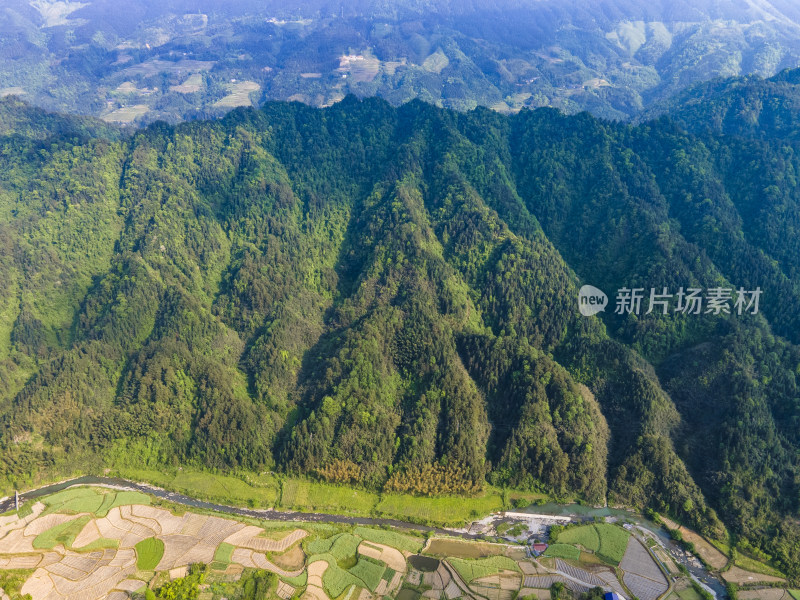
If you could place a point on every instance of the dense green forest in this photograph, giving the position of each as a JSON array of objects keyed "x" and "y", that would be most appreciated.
[{"x": 389, "y": 297}]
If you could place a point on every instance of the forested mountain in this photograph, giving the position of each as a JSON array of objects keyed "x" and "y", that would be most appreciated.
[
  {"x": 745, "y": 107},
  {"x": 389, "y": 297},
  {"x": 175, "y": 60}
]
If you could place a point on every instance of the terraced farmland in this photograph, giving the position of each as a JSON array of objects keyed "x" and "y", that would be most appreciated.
[{"x": 89, "y": 543}]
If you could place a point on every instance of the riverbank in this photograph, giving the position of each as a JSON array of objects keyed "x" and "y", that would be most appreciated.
[
  {"x": 464, "y": 517},
  {"x": 270, "y": 514},
  {"x": 483, "y": 529},
  {"x": 269, "y": 491},
  {"x": 132, "y": 536}
]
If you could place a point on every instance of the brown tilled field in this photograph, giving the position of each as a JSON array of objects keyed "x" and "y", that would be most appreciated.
[{"x": 739, "y": 576}]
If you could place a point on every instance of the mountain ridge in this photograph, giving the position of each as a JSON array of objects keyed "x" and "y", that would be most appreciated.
[
  {"x": 180, "y": 61},
  {"x": 388, "y": 296}
]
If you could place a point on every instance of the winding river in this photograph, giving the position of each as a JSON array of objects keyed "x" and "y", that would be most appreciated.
[
  {"x": 573, "y": 511},
  {"x": 272, "y": 515}
]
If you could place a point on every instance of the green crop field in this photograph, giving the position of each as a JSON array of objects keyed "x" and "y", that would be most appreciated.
[
  {"x": 308, "y": 495},
  {"x": 750, "y": 564},
  {"x": 562, "y": 551},
  {"x": 107, "y": 504},
  {"x": 470, "y": 569},
  {"x": 613, "y": 542},
  {"x": 224, "y": 553},
  {"x": 91, "y": 500},
  {"x": 88, "y": 503},
  {"x": 606, "y": 540},
  {"x": 80, "y": 498},
  {"x": 335, "y": 580},
  {"x": 239, "y": 94},
  {"x": 63, "y": 534},
  {"x": 391, "y": 538},
  {"x": 370, "y": 571},
  {"x": 99, "y": 544},
  {"x": 224, "y": 488},
  {"x": 149, "y": 553},
  {"x": 126, "y": 114},
  {"x": 688, "y": 593},
  {"x": 340, "y": 546},
  {"x": 297, "y": 581},
  {"x": 721, "y": 546},
  {"x": 585, "y": 535},
  {"x": 345, "y": 546},
  {"x": 451, "y": 510},
  {"x": 208, "y": 486},
  {"x": 122, "y": 499}
]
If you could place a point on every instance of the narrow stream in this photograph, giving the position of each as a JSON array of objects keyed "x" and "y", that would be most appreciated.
[
  {"x": 574, "y": 511},
  {"x": 271, "y": 515}
]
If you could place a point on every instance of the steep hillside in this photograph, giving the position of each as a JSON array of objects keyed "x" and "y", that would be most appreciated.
[{"x": 389, "y": 296}]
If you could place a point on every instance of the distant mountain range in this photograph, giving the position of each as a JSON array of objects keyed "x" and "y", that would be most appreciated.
[{"x": 185, "y": 59}]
